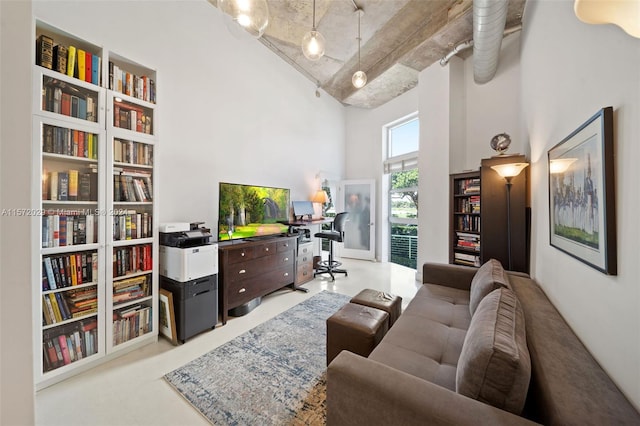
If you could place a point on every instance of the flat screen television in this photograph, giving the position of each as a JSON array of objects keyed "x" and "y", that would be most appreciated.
[{"x": 247, "y": 211}]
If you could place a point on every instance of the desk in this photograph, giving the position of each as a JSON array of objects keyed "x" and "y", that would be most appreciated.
[{"x": 320, "y": 221}]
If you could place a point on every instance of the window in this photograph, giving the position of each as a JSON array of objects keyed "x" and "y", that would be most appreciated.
[{"x": 401, "y": 166}]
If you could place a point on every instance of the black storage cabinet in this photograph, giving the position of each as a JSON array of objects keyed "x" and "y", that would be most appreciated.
[{"x": 195, "y": 304}]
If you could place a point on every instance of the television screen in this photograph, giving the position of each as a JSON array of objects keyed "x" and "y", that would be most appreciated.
[{"x": 247, "y": 211}]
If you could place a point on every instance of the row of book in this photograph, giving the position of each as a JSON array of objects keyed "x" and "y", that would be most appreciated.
[
  {"x": 467, "y": 223},
  {"x": 132, "y": 225},
  {"x": 131, "y": 322},
  {"x": 131, "y": 289},
  {"x": 69, "y": 270},
  {"x": 74, "y": 143},
  {"x": 468, "y": 241},
  {"x": 129, "y": 260},
  {"x": 138, "y": 86},
  {"x": 125, "y": 151},
  {"x": 69, "y": 60},
  {"x": 468, "y": 186},
  {"x": 71, "y": 185},
  {"x": 132, "y": 186},
  {"x": 58, "y": 307},
  {"x": 72, "y": 342},
  {"x": 468, "y": 205},
  {"x": 67, "y": 102},
  {"x": 131, "y": 117},
  {"x": 466, "y": 259},
  {"x": 70, "y": 228}
]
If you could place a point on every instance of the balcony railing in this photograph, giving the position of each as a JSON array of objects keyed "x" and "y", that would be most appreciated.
[{"x": 404, "y": 250}]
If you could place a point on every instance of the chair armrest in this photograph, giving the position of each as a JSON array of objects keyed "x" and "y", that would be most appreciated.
[
  {"x": 365, "y": 392},
  {"x": 456, "y": 276}
]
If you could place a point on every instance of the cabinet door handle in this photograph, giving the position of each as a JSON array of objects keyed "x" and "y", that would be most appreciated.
[
  {"x": 304, "y": 259},
  {"x": 286, "y": 259},
  {"x": 242, "y": 290},
  {"x": 242, "y": 271},
  {"x": 266, "y": 249},
  {"x": 242, "y": 254},
  {"x": 286, "y": 274}
]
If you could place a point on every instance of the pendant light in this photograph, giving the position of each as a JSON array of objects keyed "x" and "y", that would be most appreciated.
[
  {"x": 359, "y": 78},
  {"x": 250, "y": 15},
  {"x": 313, "y": 41}
]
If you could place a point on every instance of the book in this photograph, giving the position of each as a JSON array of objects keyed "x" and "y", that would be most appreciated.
[
  {"x": 44, "y": 51},
  {"x": 60, "y": 54},
  {"x": 63, "y": 186},
  {"x": 73, "y": 185},
  {"x": 71, "y": 61},
  {"x": 88, "y": 74},
  {"x": 95, "y": 68},
  {"x": 82, "y": 66}
]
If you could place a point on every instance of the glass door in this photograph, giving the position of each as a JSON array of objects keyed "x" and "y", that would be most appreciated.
[{"x": 357, "y": 197}]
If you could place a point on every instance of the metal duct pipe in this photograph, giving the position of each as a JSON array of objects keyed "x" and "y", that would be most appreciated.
[
  {"x": 469, "y": 44},
  {"x": 489, "y": 19}
]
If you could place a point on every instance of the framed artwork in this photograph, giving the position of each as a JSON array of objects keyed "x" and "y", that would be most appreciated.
[
  {"x": 167, "y": 317},
  {"x": 582, "y": 214}
]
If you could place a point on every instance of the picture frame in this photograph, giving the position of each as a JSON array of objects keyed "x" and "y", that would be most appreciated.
[
  {"x": 167, "y": 319},
  {"x": 582, "y": 214}
]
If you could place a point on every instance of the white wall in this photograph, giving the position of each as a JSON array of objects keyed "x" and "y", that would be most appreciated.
[
  {"x": 365, "y": 148},
  {"x": 569, "y": 71},
  {"x": 229, "y": 109},
  {"x": 16, "y": 348}
]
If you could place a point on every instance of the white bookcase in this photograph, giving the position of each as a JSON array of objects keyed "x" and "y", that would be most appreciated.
[{"x": 96, "y": 295}]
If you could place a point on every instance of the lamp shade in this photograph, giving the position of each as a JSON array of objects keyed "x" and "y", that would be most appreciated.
[
  {"x": 359, "y": 79},
  {"x": 624, "y": 14},
  {"x": 320, "y": 197},
  {"x": 509, "y": 170},
  {"x": 560, "y": 165}
]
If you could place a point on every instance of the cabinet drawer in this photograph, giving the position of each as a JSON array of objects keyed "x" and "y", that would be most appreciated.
[
  {"x": 304, "y": 259},
  {"x": 240, "y": 254},
  {"x": 305, "y": 249},
  {"x": 265, "y": 249},
  {"x": 304, "y": 273},
  {"x": 243, "y": 291},
  {"x": 286, "y": 245}
]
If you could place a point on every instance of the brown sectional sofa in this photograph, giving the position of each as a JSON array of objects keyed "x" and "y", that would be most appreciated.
[{"x": 411, "y": 376}]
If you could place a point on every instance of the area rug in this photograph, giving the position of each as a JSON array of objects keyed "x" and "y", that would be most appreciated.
[{"x": 270, "y": 375}]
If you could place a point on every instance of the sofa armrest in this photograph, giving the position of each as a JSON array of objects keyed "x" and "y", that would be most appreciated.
[
  {"x": 455, "y": 276},
  {"x": 361, "y": 391}
]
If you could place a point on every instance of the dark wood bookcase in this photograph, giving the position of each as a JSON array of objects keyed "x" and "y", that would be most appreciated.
[{"x": 465, "y": 205}]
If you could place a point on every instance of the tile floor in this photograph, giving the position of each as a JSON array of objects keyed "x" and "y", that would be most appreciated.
[{"x": 130, "y": 390}]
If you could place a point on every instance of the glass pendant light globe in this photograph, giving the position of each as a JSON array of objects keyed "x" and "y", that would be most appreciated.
[
  {"x": 313, "y": 45},
  {"x": 359, "y": 79},
  {"x": 251, "y": 15}
]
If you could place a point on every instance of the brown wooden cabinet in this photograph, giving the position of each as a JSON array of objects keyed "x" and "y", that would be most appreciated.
[
  {"x": 250, "y": 269},
  {"x": 479, "y": 220}
]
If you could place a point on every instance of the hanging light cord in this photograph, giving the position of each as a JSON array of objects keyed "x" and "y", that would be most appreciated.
[
  {"x": 359, "y": 38},
  {"x": 314, "y": 15}
]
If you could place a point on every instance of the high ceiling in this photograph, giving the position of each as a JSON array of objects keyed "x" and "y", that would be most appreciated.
[{"x": 400, "y": 38}]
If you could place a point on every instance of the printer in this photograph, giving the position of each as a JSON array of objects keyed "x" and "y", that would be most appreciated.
[
  {"x": 186, "y": 252},
  {"x": 188, "y": 269}
]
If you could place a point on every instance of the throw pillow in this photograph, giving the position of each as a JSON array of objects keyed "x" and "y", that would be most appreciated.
[
  {"x": 494, "y": 365},
  {"x": 490, "y": 276}
]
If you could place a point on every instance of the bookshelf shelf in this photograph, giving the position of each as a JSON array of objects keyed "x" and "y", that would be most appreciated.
[{"x": 76, "y": 323}]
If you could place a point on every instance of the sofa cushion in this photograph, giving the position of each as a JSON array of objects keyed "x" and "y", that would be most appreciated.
[
  {"x": 490, "y": 276},
  {"x": 494, "y": 365},
  {"x": 427, "y": 339}
]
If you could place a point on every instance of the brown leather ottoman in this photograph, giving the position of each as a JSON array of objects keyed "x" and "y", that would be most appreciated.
[
  {"x": 387, "y": 302},
  {"x": 355, "y": 328}
]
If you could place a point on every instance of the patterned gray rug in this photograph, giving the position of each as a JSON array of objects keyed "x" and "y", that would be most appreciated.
[{"x": 267, "y": 375}]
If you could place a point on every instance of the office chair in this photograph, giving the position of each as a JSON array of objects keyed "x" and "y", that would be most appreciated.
[{"x": 335, "y": 234}]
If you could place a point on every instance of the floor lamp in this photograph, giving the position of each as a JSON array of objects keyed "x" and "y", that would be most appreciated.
[{"x": 508, "y": 172}]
